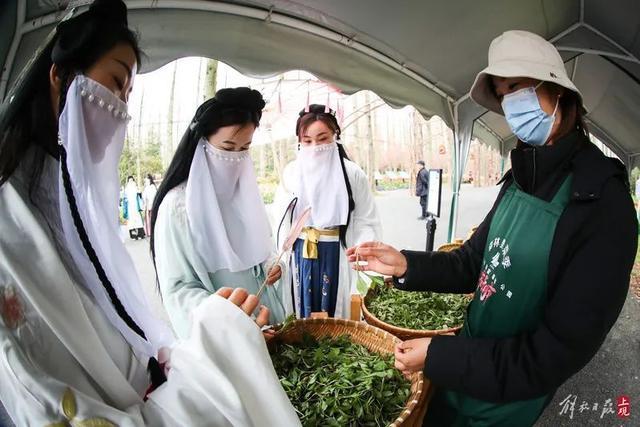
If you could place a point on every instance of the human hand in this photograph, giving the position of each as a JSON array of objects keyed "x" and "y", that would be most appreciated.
[
  {"x": 411, "y": 354},
  {"x": 268, "y": 334},
  {"x": 248, "y": 303},
  {"x": 274, "y": 274},
  {"x": 381, "y": 258}
]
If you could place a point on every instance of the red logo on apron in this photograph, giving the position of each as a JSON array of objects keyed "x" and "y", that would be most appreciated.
[{"x": 486, "y": 288}]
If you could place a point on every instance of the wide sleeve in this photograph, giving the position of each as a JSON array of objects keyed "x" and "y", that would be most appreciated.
[
  {"x": 588, "y": 298},
  {"x": 221, "y": 376},
  {"x": 448, "y": 272},
  {"x": 179, "y": 279},
  {"x": 31, "y": 397},
  {"x": 365, "y": 220}
]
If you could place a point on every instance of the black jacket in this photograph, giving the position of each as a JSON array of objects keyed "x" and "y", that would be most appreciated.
[
  {"x": 590, "y": 262},
  {"x": 422, "y": 183}
]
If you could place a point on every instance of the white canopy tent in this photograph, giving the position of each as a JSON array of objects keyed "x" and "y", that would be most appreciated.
[{"x": 423, "y": 53}]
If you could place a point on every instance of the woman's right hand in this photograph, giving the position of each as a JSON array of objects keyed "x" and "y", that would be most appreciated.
[
  {"x": 248, "y": 303},
  {"x": 381, "y": 258}
]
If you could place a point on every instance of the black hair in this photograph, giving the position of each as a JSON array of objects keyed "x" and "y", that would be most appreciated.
[
  {"x": 29, "y": 119},
  {"x": 318, "y": 112},
  {"x": 229, "y": 107},
  {"x": 78, "y": 43},
  {"x": 151, "y": 180}
]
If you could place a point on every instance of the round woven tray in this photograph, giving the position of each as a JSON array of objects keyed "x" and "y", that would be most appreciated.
[
  {"x": 372, "y": 338},
  {"x": 402, "y": 333}
]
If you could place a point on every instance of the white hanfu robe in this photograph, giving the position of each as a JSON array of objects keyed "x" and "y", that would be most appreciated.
[
  {"x": 57, "y": 345},
  {"x": 364, "y": 226},
  {"x": 185, "y": 281}
]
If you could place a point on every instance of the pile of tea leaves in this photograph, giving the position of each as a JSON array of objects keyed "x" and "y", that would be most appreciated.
[
  {"x": 335, "y": 382},
  {"x": 417, "y": 310}
]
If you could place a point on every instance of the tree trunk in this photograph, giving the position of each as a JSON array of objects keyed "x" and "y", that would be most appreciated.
[
  {"x": 371, "y": 155},
  {"x": 210, "y": 78},
  {"x": 140, "y": 115},
  {"x": 170, "y": 107},
  {"x": 199, "y": 93}
]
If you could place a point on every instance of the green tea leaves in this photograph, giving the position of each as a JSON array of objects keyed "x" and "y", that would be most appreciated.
[
  {"x": 417, "y": 310},
  {"x": 334, "y": 382}
]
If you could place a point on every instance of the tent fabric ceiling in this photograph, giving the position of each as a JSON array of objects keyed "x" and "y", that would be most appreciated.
[{"x": 424, "y": 53}]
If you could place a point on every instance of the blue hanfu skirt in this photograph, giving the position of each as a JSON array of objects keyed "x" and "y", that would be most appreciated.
[{"x": 317, "y": 279}]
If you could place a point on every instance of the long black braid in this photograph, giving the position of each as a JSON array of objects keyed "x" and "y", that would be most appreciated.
[
  {"x": 79, "y": 43},
  {"x": 82, "y": 232}
]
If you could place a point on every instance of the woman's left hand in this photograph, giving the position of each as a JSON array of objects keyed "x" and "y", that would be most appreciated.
[
  {"x": 274, "y": 275},
  {"x": 410, "y": 355}
]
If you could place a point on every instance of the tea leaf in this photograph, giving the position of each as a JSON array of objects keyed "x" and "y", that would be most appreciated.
[
  {"x": 417, "y": 310},
  {"x": 360, "y": 388}
]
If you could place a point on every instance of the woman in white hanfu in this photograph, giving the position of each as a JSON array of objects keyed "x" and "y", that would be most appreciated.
[
  {"x": 209, "y": 223},
  {"x": 343, "y": 214},
  {"x": 133, "y": 208},
  {"x": 78, "y": 337}
]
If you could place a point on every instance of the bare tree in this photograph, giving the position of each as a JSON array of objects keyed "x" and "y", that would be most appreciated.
[
  {"x": 371, "y": 154},
  {"x": 170, "y": 115},
  {"x": 210, "y": 78}
]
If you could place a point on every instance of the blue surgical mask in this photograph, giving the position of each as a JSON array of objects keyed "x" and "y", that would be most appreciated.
[{"x": 526, "y": 118}]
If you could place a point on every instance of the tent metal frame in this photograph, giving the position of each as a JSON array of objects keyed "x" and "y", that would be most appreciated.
[{"x": 463, "y": 112}]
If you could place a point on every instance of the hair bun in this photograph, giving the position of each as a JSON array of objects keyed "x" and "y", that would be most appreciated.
[
  {"x": 113, "y": 11},
  {"x": 241, "y": 97},
  {"x": 316, "y": 109},
  {"x": 77, "y": 34}
]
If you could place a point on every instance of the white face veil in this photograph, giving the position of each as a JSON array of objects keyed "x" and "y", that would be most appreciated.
[
  {"x": 92, "y": 129},
  {"x": 226, "y": 215},
  {"x": 321, "y": 186}
]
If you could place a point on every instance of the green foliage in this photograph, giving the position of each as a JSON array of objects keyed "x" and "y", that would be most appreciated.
[
  {"x": 417, "y": 310},
  {"x": 268, "y": 186},
  {"x": 127, "y": 166},
  {"x": 150, "y": 160},
  {"x": 334, "y": 382},
  {"x": 385, "y": 185}
]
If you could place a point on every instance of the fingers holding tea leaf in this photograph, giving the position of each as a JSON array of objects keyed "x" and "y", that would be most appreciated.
[
  {"x": 268, "y": 335},
  {"x": 263, "y": 316}
]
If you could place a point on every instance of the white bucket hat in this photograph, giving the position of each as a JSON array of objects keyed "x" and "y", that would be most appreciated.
[{"x": 519, "y": 54}]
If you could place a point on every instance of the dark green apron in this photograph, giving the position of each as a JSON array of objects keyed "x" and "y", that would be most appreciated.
[{"x": 509, "y": 300}]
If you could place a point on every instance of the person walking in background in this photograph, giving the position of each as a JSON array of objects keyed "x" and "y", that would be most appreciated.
[
  {"x": 422, "y": 188},
  {"x": 148, "y": 194},
  {"x": 133, "y": 209}
]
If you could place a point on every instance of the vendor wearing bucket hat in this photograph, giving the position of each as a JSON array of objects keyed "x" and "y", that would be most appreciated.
[{"x": 549, "y": 265}]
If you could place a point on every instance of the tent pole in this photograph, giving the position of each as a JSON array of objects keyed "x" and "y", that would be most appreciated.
[
  {"x": 455, "y": 175},
  {"x": 21, "y": 12}
]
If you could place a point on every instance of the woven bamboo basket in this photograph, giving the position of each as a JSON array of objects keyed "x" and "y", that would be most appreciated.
[
  {"x": 473, "y": 230},
  {"x": 406, "y": 333},
  {"x": 372, "y": 338},
  {"x": 448, "y": 247},
  {"x": 402, "y": 333}
]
